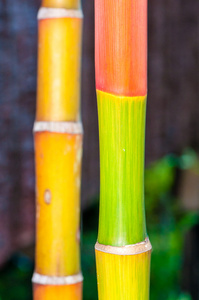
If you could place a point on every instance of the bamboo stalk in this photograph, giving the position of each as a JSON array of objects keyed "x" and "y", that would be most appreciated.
[
  {"x": 123, "y": 250},
  {"x": 58, "y": 151},
  {"x": 69, "y": 4}
]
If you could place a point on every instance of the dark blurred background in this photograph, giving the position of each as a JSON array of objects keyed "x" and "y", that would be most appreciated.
[{"x": 172, "y": 145}]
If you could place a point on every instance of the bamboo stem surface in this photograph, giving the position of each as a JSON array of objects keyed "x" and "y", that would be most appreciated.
[
  {"x": 69, "y": 4},
  {"x": 58, "y": 152},
  {"x": 122, "y": 133},
  {"x": 121, "y": 83}
]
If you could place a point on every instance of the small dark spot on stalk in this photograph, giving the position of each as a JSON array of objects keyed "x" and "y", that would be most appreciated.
[{"x": 47, "y": 196}]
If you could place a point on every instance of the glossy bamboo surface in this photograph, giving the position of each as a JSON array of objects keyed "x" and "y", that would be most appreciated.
[
  {"x": 60, "y": 292},
  {"x": 122, "y": 140},
  {"x": 58, "y": 152},
  {"x": 58, "y": 168},
  {"x": 123, "y": 277},
  {"x": 121, "y": 46},
  {"x": 121, "y": 83},
  {"x": 59, "y": 63}
]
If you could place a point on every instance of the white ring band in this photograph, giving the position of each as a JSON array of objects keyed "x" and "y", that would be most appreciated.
[
  {"x": 55, "y": 280},
  {"x": 59, "y": 127},
  {"x": 51, "y": 13},
  {"x": 125, "y": 250}
]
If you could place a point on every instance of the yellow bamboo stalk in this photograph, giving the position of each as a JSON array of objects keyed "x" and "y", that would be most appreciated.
[
  {"x": 72, "y": 4},
  {"x": 51, "y": 292},
  {"x": 123, "y": 272},
  {"x": 58, "y": 91},
  {"x": 58, "y": 152}
]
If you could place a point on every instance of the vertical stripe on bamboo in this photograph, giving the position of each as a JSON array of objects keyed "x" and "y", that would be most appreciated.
[
  {"x": 123, "y": 277},
  {"x": 122, "y": 134}
]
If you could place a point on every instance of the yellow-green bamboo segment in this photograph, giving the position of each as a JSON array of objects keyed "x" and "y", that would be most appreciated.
[
  {"x": 58, "y": 152},
  {"x": 123, "y": 276},
  {"x": 123, "y": 250}
]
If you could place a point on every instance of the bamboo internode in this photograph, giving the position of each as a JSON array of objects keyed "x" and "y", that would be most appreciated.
[
  {"x": 58, "y": 152},
  {"x": 69, "y": 4},
  {"x": 123, "y": 276},
  {"x": 58, "y": 89},
  {"x": 122, "y": 133},
  {"x": 123, "y": 250},
  {"x": 121, "y": 47},
  {"x": 58, "y": 165},
  {"x": 60, "y": 292}
]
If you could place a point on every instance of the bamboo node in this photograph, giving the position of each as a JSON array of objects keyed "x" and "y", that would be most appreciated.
[
  {"x": 59, "y": 127},
  {"x": 56, "y": 280},
  {"x": 134, "y": 249},
  {"x": 56, "y": 13}
]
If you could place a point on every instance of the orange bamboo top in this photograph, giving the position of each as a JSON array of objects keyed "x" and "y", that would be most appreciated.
[
  {"x": 69, "y": 4},
  {"x": 121, "y": 59}
]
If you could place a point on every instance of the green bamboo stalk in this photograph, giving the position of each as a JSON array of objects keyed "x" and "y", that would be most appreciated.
[{"x": 121, "y": 170}]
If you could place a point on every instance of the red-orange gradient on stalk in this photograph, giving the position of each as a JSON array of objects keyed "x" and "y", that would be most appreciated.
[
  {"x": 121, "y": 59},
  {"x": 58, "y": 292}
]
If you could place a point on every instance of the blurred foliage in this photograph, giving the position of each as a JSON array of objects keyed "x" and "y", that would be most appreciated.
[
  {"x": 15, "y": 279},
  {"x": 167, "y": 225}
]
